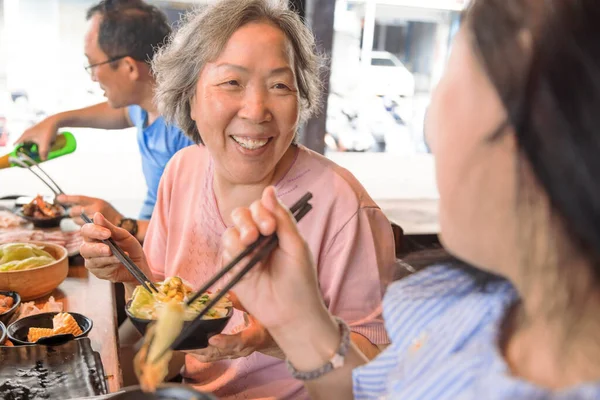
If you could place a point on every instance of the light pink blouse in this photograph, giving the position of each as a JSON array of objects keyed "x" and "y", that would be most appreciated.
[{"x": 350, "y": 238}]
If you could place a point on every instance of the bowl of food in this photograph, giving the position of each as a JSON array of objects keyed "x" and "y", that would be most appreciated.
[
  {"x": 144, "y": 308},
  {"x": 9, "y": 304},
  {"x": 42, "y": 214},
  {"x": 49, "y": 328},
  {"x": 32, "y": 269},
  {"x": 163, "y": 392}
]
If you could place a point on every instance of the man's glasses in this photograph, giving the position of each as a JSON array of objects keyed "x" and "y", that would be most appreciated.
[{"x": 91, "y": 67}]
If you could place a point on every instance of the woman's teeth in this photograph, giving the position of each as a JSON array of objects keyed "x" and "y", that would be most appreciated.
[{"x": 250, "y": 144}]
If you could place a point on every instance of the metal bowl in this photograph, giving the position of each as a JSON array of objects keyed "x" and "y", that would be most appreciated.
[{"x": 164, "y": 392}]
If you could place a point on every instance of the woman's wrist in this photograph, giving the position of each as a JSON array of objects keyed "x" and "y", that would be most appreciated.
[{"x": 311, "y": 343}]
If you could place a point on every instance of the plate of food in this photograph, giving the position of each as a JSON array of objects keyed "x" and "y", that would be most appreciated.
[
  {"x": 43, "y": 214},
  {"x": 145, "y": 307},
  {"x": 70, "y": 240},
  {"x": 32, "y": 269},
  {"x": 49, "y": 328}
]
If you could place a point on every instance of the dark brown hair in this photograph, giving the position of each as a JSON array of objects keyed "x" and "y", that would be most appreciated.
[{"x": 544, "y": 60}]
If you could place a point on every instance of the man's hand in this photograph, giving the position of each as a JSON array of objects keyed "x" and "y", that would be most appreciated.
[
  {"x": 42, "y": 134},
  {"x": 91, "y": 206}
]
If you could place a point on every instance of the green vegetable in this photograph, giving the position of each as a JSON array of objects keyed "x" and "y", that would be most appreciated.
[
  {"x": 22, "y": 256},
  {"x": 142, "y": 303},
  {"x": 147, "y": 306}
]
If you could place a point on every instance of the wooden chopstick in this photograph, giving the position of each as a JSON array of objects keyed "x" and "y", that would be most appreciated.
[
  {"x": 126, "y": 261},
  {"x": 302, "y": 207},
  {"x": 293, "y": 209}
]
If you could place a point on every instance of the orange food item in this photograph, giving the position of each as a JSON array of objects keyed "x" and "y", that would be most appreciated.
[
  {"x": 63, "y": 323},
  {"x": 6, "y": 303},
  {"x": 36, "y": 334}
]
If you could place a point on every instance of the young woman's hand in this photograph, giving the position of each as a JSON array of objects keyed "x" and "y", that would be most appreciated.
[{"x": 283, "y": 292}]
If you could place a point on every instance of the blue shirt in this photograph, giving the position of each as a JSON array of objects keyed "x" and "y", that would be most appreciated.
[
  {"x": 444, "y": 331},
  {"x": 158, "y": 143}
]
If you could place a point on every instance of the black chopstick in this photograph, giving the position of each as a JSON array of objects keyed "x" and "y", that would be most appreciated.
[
  {"x": 125, "y": 260},
  {"x": 293, "y": 209},
  {"x": 301, "y": 208}
]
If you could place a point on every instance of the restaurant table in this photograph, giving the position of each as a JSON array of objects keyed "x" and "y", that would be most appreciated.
[{"x": 83, "y": 293}]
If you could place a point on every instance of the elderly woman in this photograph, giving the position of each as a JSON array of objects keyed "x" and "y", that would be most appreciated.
[
  {"x": 239, "y": 77},
  {"x": 514, "y": 128}
]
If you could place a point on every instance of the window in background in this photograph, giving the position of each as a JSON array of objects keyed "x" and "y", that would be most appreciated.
[{"x": 376, "y": 106}]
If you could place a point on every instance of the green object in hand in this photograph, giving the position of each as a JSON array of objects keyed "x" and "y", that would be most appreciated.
[{"x": 64, "y": 143}]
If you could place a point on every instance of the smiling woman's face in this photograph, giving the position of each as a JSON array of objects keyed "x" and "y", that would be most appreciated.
[{"x": 246, "y": 105}]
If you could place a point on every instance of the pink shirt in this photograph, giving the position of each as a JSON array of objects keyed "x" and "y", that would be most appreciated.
[{"x": 350, "y": 238}]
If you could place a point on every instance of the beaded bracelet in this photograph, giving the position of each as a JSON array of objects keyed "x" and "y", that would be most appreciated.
[{"x": 337, "y": 361}]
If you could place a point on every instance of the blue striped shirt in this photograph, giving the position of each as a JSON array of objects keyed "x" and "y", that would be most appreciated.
[{"x": 444, "y": 331}]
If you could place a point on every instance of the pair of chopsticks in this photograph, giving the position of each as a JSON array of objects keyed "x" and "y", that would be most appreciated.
[
  {"x": 25, "y": 161},
  {"x": 126, "y": 261},
  {"x": 268, "y": 243}
]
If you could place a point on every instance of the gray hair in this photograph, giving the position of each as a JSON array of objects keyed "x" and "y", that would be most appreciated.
[{"x": 201, "y": 38}]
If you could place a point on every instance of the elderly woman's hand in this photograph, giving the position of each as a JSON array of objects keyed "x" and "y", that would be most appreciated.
[
  {"x": 254, "y": 337},
  {"x": 98, "y": 256},
  {"x": 283, "y": 293}
]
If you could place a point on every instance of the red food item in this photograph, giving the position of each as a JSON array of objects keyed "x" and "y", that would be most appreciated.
[{"x": 38, "y": 208}]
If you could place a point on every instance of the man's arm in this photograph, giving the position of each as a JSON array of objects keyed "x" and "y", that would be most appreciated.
[
  {"x": 99, "y": 116},
  {"x": 142, "y": 229}
]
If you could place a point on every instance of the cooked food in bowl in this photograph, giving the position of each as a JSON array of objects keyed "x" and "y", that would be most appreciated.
[
  {"x": 10, "y": 302},
  {"x": 38, "y": 208},
  {"x": 6, "y": 303},
  {"x": 62, "y": 323},
  {"x": 22, "y": 256},
  {"x": 146, "y": 305},
  {"x": 49, "y": 328}
]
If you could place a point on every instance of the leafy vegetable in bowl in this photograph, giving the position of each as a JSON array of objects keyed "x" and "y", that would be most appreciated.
[
  {"x": 21, "y": 256},
  {"x": 145, "y": 305}
]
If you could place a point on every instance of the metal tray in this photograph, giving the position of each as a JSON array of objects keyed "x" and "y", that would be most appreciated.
[{"x": 68, "y": 371}]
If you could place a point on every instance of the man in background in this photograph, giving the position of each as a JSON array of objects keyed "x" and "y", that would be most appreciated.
[{"x": 120, "y": 41}]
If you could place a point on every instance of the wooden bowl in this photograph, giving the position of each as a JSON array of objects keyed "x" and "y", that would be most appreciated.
[{"x": 38, "y": 282}]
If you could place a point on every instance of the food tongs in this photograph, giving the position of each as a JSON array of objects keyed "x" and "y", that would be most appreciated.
[{"x": 25, "y": 161}]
